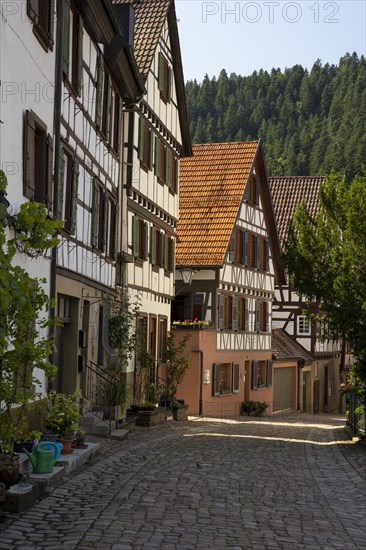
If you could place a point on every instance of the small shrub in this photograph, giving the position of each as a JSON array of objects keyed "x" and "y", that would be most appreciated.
[{"x": 253, "y": 408}]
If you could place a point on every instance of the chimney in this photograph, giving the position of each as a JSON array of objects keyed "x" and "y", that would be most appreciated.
[{"x": 126, "y": 16}]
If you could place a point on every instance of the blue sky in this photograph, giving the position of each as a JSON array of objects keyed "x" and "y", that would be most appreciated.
[{"x": 243, "y": 36}]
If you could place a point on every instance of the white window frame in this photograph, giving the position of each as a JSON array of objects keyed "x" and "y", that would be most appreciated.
[{"x": 303, "y": 326}]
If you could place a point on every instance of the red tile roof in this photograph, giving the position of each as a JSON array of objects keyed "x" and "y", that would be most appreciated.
[
  {"x": 212, "y": 184},
  {"x": 284, "y": 347},
  {"x": 149, "y": 20},
  {"x": 287, "y": 192}
]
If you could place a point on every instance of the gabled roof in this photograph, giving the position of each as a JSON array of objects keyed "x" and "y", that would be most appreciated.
[
  {"x": 284, "y": 347},
  {"x": 287, "y": 192},
  {"x": 212, "y": 184},
  {"x": 149, "y": 20},
  {"x": 150, "y": 16}
]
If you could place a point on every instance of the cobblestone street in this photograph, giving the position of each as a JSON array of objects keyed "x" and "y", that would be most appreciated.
[{"x": 266, "y": 483}]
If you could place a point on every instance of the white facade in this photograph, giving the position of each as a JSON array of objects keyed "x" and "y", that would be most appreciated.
[
  {"x": 27, "y": 86},
  {"x": 153, "y": 201}
]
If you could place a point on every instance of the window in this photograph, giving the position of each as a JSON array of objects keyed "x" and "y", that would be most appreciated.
[
  {"x": 68, "y": 190},
  {"x": 73, "y": 47},
  {"x": 103, "y": 220},
  {"x": 303, "y": 325},
  {"x": 158, "y": 248},
  {"x": 253, "y": 251},
  {"x": 170, "y": 253},
  {"x": 263, "y": 254},
  {"x": 238, "y": 247},
  {"x": 243, "y": 314},
  {"x": 160, "y": 160},
  {"x": 141, "y": 339},
  {"x": 225, "y": 378},
  {"x": 251, "y": 193},
  {"x": 197, "y": 306},
  {"x": 63, "y": 308},
  {"x": 145, "y": 144},
  {"x": 261, "y": 374},
  {"x": 163, "y": 327},
  {"x": 139, "y": 238},
  {"x": 227, "y": 311},
  {"x": 164, "y": 79},
  {"x": 38, "y": 160},
  {"x": 261, "y": 316},
  {"x": 41, "y": 13}
]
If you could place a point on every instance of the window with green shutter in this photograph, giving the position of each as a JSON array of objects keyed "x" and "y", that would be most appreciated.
[
  {"x": 139, "y": 238},
  {"x": 165, "y": 79},
  {"x": 73, "y": 47},
  {"x": 145, "y": 147},
  {"x": 269, "y": 373}
]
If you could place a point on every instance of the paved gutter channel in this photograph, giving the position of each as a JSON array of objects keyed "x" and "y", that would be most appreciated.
[{"x": 160, "y": 490}]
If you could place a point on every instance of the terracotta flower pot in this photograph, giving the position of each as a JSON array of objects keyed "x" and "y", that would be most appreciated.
[{"x": 66, "y": 446}]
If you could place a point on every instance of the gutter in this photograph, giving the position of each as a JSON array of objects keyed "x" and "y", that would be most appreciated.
[
  {"x": 200, "y": 403},
  {"x": 57, "y": 134}
]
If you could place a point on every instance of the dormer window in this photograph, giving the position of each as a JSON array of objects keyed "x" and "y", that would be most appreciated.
[{"x": 164, "y": 79}]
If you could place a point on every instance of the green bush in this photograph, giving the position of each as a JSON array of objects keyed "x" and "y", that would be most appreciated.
[{"x": 253, "y": 408}]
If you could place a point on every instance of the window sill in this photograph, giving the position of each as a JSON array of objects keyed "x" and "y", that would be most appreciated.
[{"x": 45, "y": 41}]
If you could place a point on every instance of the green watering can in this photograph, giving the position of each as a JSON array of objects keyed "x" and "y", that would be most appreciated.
[{"x": 43, "y": 460}]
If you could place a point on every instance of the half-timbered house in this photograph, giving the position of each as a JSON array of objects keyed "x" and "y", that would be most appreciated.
[
  {"x": 99, "y": 81},
  {"x": 27, "y": 61},
  {"x": 319, "y": 379},
  {"x": 156, "y": 137},
  {"x": 227, "y": 236}
]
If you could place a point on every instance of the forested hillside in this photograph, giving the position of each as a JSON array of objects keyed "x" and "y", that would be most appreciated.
[{"x": 309, "y": 121}]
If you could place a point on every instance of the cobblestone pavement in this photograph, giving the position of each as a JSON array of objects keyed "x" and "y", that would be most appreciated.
[{"x": 285, "y": 483}]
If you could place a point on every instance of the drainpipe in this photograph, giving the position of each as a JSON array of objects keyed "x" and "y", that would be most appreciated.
[
  {"x": 57, "y": 133},
  {"x": 200, "y": 404},
  {"x": 300, "y": 365}
]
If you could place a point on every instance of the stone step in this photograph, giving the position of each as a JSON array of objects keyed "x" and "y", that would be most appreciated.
[
  {"x": 101, "y": 429},
  {"x": 91, "y": 418},
  {"x": 119, "y": 434}
]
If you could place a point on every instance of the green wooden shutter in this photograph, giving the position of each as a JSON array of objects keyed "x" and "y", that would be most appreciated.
[
  {"x": 257, "y": 316},
  {"x": 140, "y": 151},
  {"x": 254, "y": 375},
  {"x": 244, "y": 247},
  {"x": 99, "y": 92},
  {"x": 75, "y": 185},
  {"x": 235, "y": 377},
  {"x": 95, "y": 213},
  {"x": 49, "y": 172},
  {"x": 168, "y": 170},
  {"x": 232, "y": 248},
  {"x": 60, "y": 192},
  {"x": 135, "y": 236},
  {"x": 256, "y": 191},
  {"x": 216, "y": 379},
  {"x": 161, "y": 72},
  {"x": 246, "y": 314},
  {"x": 256, "y": 255},
  {"x": 145, "y": 241},
  {"x": 234, "y": 313},
  {"x": 220, "y": 310},
  {"x": 266, "y": 251},
  {"x": 153, "y": 245},
  {"x": 170, "y": 84},
  {"x": 108, "y": 107},
  {"x": 79, "y": 66},
  {"x": 105, "y": 222},
  {"x": 29, "y": 183},
  {"x": 66, "y": 52},
  {"x": 269, "y": 373},
  {"x": 151, "y": 143},
  {"x": 157, "y": 156}
]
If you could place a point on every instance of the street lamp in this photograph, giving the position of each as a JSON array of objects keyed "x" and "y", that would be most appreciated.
[{"x": 187, "y": 275}]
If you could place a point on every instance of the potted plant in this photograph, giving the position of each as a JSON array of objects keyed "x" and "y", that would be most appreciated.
[{"x": 61, "y": 416}]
